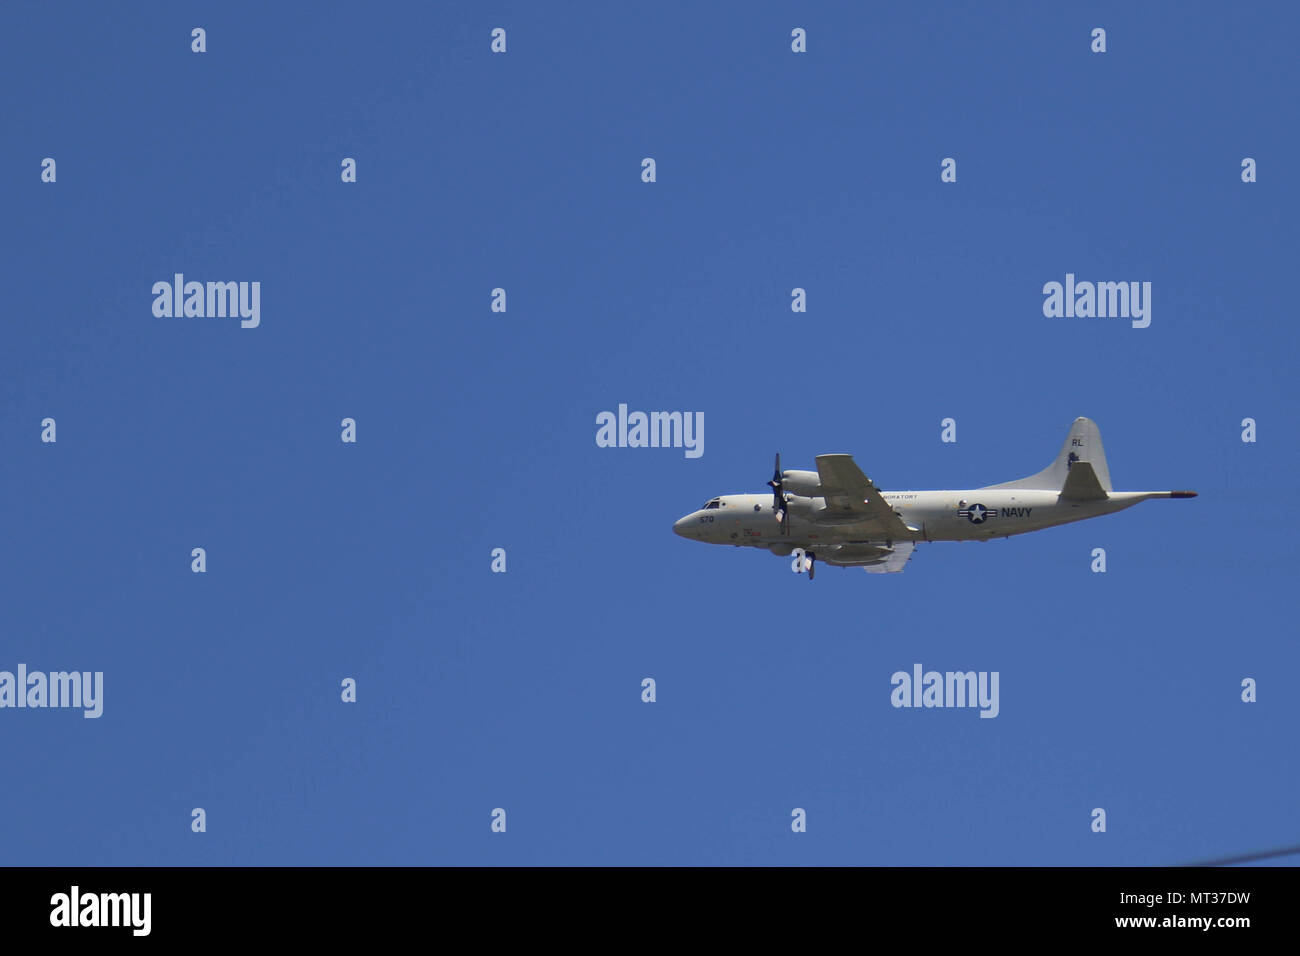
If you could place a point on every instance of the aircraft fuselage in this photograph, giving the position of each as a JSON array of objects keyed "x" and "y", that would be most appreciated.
[
  {"x": 838, "y": 515},
  {"x": 975, "y": 515}
]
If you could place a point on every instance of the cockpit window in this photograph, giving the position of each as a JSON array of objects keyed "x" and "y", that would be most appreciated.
[{"x": 712, "y": 503}]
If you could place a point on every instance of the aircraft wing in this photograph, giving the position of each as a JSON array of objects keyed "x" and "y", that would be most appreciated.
[
  {"x": 874, "y": 558},
  {"x": 850, "y": 494},
  {"x": 894, "y": 563}
]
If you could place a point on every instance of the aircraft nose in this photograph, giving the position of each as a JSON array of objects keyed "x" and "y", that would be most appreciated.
[{"x": 680, "y": 526}]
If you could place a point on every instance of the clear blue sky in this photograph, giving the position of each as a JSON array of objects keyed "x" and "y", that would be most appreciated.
[{"x": 476, "y": 430}]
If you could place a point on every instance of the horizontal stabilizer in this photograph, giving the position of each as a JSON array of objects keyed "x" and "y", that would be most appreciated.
[{"x": 1081, "y": 483}]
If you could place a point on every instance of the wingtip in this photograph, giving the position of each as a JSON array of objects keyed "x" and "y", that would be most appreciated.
[{"x": 1182, "y": 494}]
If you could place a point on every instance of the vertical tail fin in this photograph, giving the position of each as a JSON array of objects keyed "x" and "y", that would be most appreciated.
[{"x": 1083, "y": 443}]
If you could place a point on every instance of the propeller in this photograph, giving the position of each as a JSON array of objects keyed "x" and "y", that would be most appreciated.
[{"x": 778, "y": 497}]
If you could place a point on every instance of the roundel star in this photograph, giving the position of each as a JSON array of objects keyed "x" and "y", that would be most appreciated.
[{"x": 978, "y": 513}]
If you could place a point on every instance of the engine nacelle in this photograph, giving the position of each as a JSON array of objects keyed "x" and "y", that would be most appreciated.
[{"x": 806, "y": 484}]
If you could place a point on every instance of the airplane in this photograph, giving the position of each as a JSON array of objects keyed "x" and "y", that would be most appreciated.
[{"x": 836, "y": 514}]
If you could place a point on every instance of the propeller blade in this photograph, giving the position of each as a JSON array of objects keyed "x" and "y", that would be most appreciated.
[{"x": 778, "y": 496}]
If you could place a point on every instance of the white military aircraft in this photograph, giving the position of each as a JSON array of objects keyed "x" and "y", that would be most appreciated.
[{"x": 837, "y": 515}]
